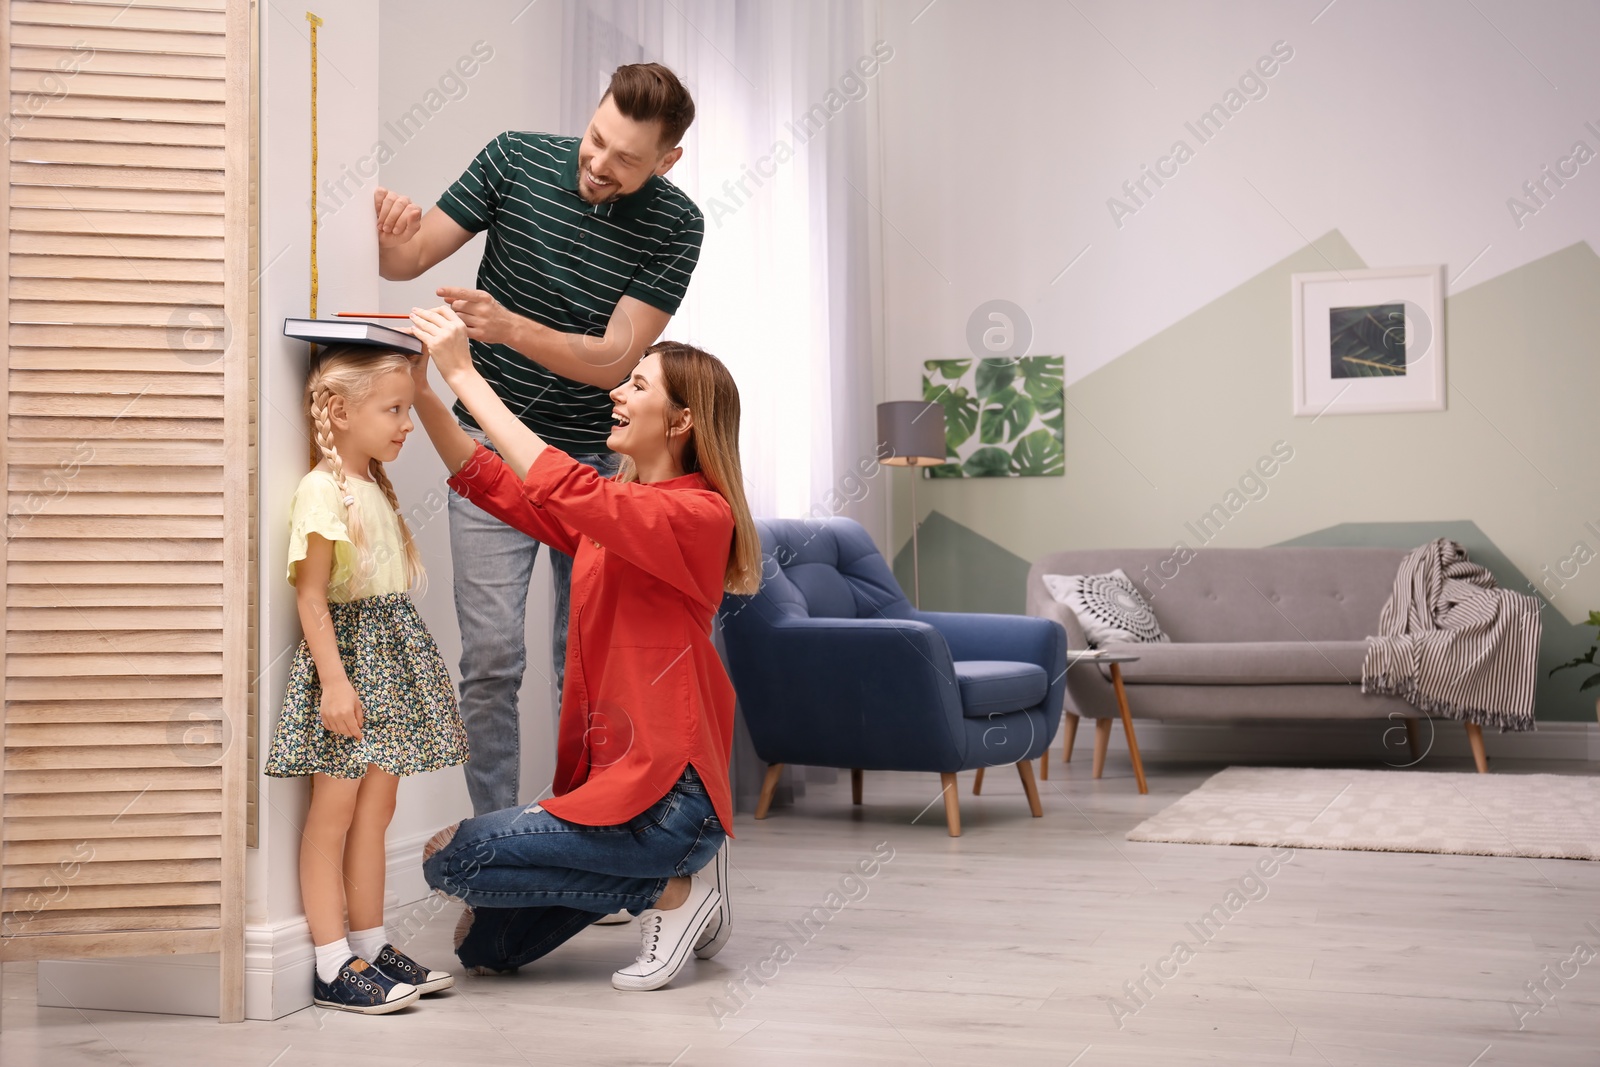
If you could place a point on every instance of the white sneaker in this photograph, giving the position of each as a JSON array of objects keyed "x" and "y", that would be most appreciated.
[
  {"x": 720, "y": 928},
  {"x": 616, "y": 918},
  {"x": 668, "y": 938}
]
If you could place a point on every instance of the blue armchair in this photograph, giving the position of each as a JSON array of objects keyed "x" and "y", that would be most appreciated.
[{"x": 835, "y": 668}]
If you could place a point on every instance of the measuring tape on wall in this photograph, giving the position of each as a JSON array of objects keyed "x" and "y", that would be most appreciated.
[{"x": 315, "y": 22}]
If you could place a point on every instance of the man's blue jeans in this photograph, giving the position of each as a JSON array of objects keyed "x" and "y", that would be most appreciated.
[
  {"x": 493, "y": 565},
  {"x": 534, "y": 880}
]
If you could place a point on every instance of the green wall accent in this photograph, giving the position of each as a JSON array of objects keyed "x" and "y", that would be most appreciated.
[
  {"x": 962, "y": 570},
  {"x": 1162, "y": 434}
]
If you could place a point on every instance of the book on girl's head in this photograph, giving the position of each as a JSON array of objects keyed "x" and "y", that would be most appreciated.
[{"x": 351, "y": 332}]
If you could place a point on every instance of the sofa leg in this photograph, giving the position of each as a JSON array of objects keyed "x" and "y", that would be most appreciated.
[
  {"x": 977, "y": 783},
  {"x": 1030, "y": 787},
  {"x": 1475, "y": 739},
  {"x": 1413, "y": 743},
  {"x": 1044, "y": 764},
  {"x": 769, "y": 786},
  {"x": 855, "y": 786},
  {"x": 952, "y": 803},
  {"x": 1102, "y": 741}
]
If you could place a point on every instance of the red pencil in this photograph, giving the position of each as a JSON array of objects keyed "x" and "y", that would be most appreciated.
[{"x": 364, "y": 315}]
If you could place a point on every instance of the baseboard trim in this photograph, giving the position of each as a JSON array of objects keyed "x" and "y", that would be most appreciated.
[
  {"x": 278, "y": 958},
  {"x": 1212, "y": 742}
]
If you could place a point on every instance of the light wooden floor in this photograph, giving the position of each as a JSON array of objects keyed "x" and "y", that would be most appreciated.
[{"x": 1004, "y": 946}]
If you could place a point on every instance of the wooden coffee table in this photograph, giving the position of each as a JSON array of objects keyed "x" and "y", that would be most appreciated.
[{"x": 1102, "y": 727}]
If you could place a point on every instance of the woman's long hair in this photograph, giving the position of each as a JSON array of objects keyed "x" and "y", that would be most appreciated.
[
  {"x": 351, "y": 371},
  {"x": 697, "y": 380}
]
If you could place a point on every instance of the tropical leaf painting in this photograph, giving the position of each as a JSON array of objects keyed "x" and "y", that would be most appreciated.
[
  {"x": 1367, "y": 342},
  {"x": 1003, "y": 417}
]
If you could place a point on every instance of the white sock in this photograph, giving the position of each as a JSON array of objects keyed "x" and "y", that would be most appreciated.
[
  {"x": 368, "y": 943},
  {"x": 331, "y": 957}
]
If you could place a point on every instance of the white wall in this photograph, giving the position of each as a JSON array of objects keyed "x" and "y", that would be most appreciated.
[{"x": 1407, "y": 125}]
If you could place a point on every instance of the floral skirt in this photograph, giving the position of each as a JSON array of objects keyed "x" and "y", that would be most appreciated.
[{"x": 410, "y": 720}]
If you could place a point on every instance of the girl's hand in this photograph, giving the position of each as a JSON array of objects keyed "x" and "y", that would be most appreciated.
[
  {"x": 444, "y": 339},
  {"x": 341, "y": 710},
  {"x": 419, "y": 374}
]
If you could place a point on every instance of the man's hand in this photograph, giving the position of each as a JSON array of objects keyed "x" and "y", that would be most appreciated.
[
  {"x": 444, "y": 340},
  {"x": 399, "y": 220},
  {"x": 341, "y": 710},
  {"x": 487, "y": 319}
]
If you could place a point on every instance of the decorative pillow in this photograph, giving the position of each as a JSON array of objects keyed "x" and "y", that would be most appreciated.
[{"x": 1108, "y": 607}]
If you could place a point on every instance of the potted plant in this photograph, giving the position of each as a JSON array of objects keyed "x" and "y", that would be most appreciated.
[{"x": 1587, "y": 659}]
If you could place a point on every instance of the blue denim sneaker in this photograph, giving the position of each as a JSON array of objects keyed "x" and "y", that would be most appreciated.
[
  {"x": 402, "y": 968},
  {"x": 361, "y": 987}
]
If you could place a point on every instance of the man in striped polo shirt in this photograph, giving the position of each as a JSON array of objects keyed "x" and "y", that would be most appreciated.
[{"x": 589, "y": 253}]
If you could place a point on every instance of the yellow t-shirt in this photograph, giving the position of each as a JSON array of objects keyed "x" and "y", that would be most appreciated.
[{"x": 318, "y": 507}]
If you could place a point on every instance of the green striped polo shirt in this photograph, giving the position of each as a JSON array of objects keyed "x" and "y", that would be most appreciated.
[{"x": 565, "y": 263}]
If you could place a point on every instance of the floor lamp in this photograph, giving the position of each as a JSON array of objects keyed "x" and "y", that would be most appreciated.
[{"x": 912, "y": 433}]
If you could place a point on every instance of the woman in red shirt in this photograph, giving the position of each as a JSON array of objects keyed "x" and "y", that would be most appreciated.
[{"x": 641, "y": 799}]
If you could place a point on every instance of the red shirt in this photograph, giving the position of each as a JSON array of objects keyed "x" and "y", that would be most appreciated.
[{"x": 645, "y": 692}]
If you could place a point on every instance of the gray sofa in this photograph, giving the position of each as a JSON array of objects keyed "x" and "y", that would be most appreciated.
[{"x": 1256, "y": 633}]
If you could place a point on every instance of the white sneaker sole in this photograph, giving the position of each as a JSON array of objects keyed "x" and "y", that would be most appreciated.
[
  {"x": 724, "y": 916},
  {"x": 437, "y": 984},
  {"x": 377, "y": 1009},
  {"x": 639, "y": 983}
]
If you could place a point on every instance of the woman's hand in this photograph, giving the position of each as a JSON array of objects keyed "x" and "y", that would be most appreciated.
[
  {"x": 444, "y": 340},
  {"x": 341, "y": 709}
]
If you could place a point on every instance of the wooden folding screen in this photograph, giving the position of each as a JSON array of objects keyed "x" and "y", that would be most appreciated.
[{"x": 126, "y": 424}]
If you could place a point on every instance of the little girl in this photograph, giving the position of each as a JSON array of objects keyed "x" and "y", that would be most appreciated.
[{"x": 369, "y": 697}]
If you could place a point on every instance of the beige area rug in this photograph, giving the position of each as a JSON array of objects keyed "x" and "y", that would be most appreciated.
[{"x": 1540, "y": 815}]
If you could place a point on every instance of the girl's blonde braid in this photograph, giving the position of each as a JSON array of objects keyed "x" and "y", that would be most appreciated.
[
  {"x": 322, "y": 436},
  {"x": 414, "y": 570}
]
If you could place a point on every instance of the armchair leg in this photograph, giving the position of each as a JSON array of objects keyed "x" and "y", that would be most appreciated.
[
  {"x": 1102, "y": 741},
  {"x": 855, "y": 786},
  {"x": 769, "y": 786},
  {"x": 952, "y": 803},
  {"x": 1475, "y": 738},
  {"x": 977, "y": 783},
  {"x": 1030, "y": 787}
]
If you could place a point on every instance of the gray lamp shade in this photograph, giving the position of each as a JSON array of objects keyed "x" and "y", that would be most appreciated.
[{"x": 911, "y": 432}]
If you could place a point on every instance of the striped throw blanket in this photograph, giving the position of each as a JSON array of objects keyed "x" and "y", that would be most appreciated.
[{"x": 1452, "y": 643}]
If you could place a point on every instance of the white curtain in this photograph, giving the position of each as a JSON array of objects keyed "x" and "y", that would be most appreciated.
[
  {"x": 784, "y": 292},
  {"x": 782, "y": 160}
]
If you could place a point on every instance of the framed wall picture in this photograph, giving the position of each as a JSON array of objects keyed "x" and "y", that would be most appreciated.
[
  {"x": 1003, "y": 418},
  {"x": 1369, "y": 341}
]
